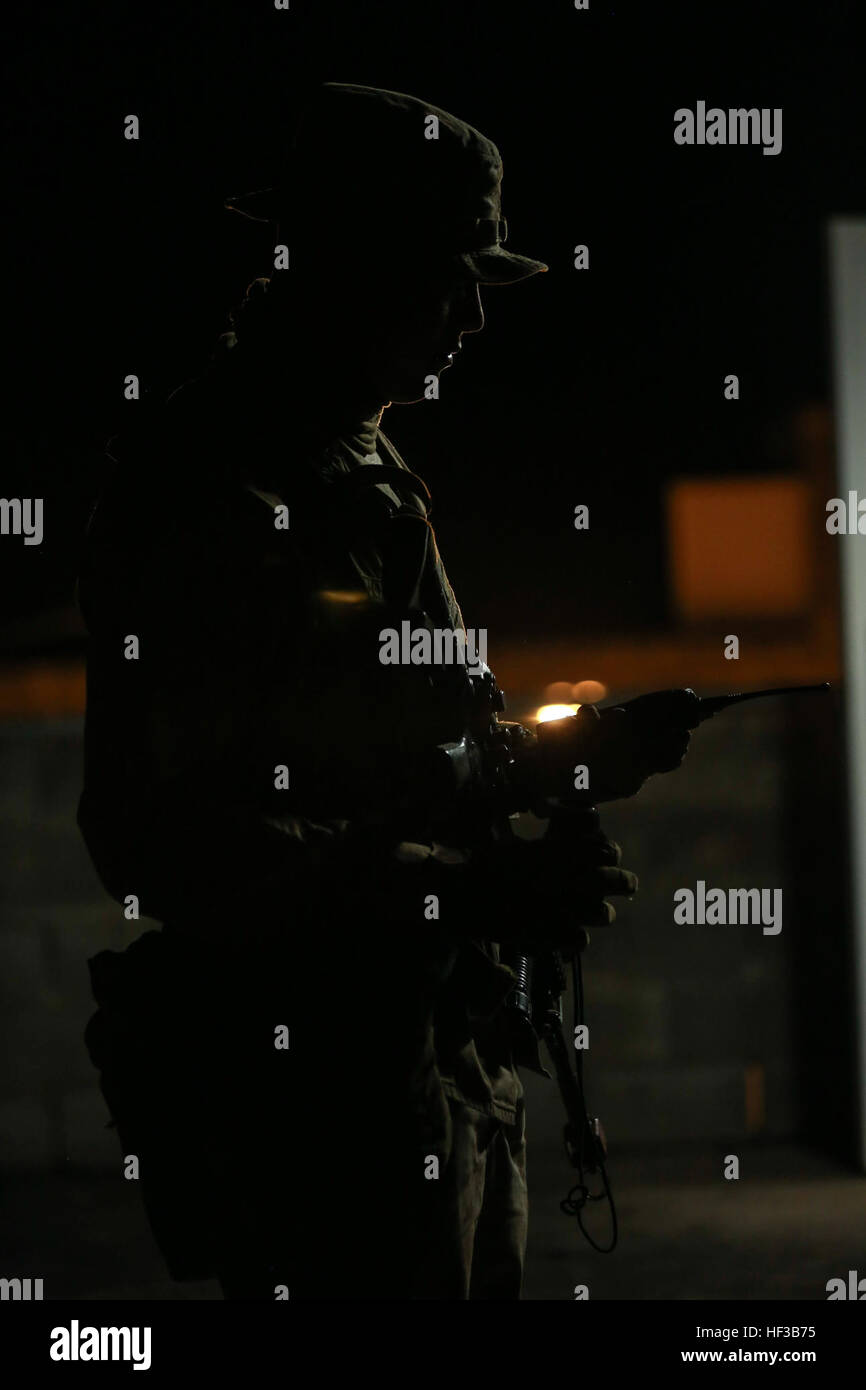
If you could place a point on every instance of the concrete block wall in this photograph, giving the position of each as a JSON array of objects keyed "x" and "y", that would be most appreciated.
[{"x": 677, "y": 1013}]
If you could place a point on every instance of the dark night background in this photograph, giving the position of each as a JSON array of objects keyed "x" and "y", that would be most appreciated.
[
  {"x": 583, "y": 387},
  {"x": 597, "y": 387}
]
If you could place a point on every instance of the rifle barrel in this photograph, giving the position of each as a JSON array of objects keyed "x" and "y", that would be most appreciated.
[{"x": 712, "y": 704}]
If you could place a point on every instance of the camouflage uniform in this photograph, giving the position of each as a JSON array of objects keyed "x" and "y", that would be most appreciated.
[{"x": 304, "y": 1167}]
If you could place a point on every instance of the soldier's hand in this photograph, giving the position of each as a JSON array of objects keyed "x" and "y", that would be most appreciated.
[
  {"x": 544, "y": 893},
  {"x": 624, "y": 745}
]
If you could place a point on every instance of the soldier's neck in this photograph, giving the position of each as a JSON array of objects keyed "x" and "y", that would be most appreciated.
[{"x": 319, "y": 400}]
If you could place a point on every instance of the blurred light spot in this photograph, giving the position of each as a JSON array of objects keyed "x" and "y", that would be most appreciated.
[
  {"x": 740, "y": 546},
  {"x": 557, "y": 693},
  {"x": 42, "y": 688},
  {"x": 555, "y": 712},
  {"x": 588, "y": 692},
  {"x": 343, "y": 595}
]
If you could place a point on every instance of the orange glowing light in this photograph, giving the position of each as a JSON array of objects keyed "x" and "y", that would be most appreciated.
[
  {"x": 588, "y": 692},
  {"x": 343, "y": 595},
  {"x": 740, "y": 546},
  {"x": 548, "y": 712},
  {"x": 558, "y": 693}
]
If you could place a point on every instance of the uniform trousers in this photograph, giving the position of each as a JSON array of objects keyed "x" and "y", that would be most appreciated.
[{"x": 377, "y": 1235}]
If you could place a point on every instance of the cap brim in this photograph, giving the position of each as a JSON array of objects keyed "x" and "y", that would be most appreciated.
[{"x": 494, "y": 266}]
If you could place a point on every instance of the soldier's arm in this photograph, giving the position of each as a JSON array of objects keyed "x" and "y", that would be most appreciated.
[{"x": 227, "y": 771}]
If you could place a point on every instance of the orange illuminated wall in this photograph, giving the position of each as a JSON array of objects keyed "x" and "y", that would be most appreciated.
[
  {"x": 40, "y": 689},
  {"x": 740, "y": 547}
]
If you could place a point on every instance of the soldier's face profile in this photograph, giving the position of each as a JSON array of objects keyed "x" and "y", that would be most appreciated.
[{"x": 420, "y": 327}]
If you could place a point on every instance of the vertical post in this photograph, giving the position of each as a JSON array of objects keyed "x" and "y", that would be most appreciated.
[{"x": 847, "y": 253}]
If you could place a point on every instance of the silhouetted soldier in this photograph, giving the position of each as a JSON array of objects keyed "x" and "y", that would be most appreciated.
[{"x": 249, "y": 759}]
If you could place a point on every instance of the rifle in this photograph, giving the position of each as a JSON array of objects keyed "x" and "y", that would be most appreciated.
[{"x": 498, "y": 768}]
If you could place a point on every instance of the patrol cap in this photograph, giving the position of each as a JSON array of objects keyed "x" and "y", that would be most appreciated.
[{"x": 383, "y": 177}]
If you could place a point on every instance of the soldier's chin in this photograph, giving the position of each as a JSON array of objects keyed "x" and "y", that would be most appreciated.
[{"x": 415, "y": 386}]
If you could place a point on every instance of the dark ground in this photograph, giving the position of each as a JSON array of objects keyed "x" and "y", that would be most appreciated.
[{"x": 790, "y": 1223}]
